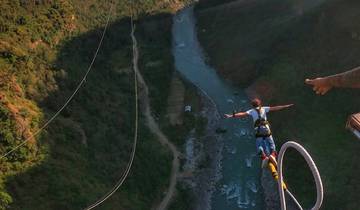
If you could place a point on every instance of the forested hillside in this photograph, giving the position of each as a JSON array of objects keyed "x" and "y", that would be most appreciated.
[
  {"x": 270, "y": 47},
  {"x": 45, "y": 49}
]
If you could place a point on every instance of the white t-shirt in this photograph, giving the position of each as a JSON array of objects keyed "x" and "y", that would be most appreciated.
[{"x": 254, "y": 114}]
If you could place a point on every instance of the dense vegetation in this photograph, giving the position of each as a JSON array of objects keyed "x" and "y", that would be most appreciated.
[
  {"x": 274, "y": 45},
  {"x": 45, "y": 48}
]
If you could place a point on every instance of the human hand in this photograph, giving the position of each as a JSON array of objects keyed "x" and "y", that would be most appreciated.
[
  {"x": 228, "y": 115},
  {"x": 320, "y": 85}
]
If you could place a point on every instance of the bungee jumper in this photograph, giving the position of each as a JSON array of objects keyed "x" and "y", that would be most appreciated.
[
  {"x": 265, "y": 145},
  {"x": 264, "y": 139},
  {"x": 348, "y": 79}
]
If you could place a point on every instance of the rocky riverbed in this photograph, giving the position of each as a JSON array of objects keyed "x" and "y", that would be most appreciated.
[{"x": 203, "y": 157}]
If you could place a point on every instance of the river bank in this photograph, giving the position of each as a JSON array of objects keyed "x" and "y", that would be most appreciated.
[{"x": 203, "y": 156}]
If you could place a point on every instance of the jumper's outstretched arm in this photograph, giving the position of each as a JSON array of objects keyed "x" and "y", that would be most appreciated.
[
  {"x": 236, "y": 115},
  {"x": 278, "y": 108}
]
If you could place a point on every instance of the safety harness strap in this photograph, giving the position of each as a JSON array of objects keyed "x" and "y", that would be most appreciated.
[{"x": 261, "y": 121}]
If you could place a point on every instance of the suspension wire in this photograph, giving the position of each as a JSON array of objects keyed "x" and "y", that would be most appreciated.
[
  {"x": 71, "y": 96},
  {"x": 122, "y": 179}
]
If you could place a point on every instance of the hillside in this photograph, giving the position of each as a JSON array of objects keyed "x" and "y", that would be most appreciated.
[
  {"x": 270, "y": 48},
  {"x": 45, "y": 48}
]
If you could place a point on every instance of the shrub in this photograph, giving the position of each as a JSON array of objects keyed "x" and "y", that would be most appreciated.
[{"x": 5, "y": 200}]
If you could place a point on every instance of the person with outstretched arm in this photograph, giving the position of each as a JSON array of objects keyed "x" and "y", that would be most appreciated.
[
  {"x": 263, "y": 133},
  {"x": 349, "y": 79}
]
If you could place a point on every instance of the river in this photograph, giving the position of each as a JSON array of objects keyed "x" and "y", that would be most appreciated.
[{"x": 239, "y": 186}]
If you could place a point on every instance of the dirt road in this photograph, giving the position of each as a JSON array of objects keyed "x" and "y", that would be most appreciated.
[{"x": 154, "y": 127}]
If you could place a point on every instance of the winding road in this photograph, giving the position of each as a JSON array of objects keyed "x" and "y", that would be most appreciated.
[{"x": 154, "y": 127}]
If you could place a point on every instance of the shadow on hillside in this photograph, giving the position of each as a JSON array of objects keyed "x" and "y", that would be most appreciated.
[{"x": 87, "y": 147}]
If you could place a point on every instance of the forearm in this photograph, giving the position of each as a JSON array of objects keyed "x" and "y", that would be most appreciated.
[
  {"x": 239, "y": 114},
  {"x": 235, "y": 115},
  {"x": 349, "y": 79},
  {"x": 278, "y": 108}
]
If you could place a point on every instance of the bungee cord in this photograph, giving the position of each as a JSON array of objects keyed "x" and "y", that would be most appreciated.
[{"x": 314, "y": 171}]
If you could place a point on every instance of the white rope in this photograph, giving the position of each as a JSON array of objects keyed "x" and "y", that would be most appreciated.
[
  {"x": 72, "y": 95},
  {"x": 129, "y": 165},
  {"x": 314, "y": 171},
  {"x": 294, "y": 199}
]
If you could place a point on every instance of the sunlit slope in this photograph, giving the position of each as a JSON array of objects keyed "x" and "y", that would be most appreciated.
[{"x": 45, "y": 48}]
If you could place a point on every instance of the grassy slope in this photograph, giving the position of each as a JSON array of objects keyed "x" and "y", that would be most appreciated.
[
  {"x": 320, "y": 41},
  {"x": 60, "y": 171}
]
